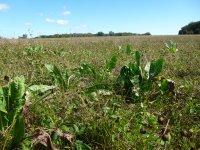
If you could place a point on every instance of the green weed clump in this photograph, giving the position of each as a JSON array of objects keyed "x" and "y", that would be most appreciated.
[
  {"x": 34, "y": 49},
  {"x": 12, "y": 100}
]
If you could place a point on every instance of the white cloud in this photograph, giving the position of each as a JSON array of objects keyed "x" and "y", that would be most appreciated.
[
  {"x": 4, "y": 6},
  {"x": 59, "y": 21},
  {"x": 50, "y": 20},
  {"x": 66, "y": 13},
  {"x": 62, "y": 22}
]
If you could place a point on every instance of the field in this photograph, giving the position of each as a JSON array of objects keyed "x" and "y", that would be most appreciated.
[{"x": 83, "y": 110}]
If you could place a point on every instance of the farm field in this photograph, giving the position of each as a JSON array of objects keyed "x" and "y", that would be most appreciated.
[{"x": 83, "y": 105}]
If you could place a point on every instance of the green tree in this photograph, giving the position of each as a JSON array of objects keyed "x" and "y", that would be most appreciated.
[
  {"x": 111, "y": 33},
  {"x": 100, "y": 34},
  {"x": 191, "y": 28}
]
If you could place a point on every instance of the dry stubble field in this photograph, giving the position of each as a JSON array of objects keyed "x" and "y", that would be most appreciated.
[{"x": 101, "y": 121}]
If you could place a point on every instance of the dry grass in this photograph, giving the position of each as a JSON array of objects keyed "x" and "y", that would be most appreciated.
[{"x": 74, "y": 107}]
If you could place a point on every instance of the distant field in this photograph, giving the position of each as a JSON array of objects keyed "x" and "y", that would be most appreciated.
[
  {"x": 100, "y": 131},
  {"x": 70, "y": 52}
]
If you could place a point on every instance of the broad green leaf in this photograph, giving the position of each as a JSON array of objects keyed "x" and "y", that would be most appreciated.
[
  {"x": 98, "y": 86},
  {"x": 154, "y": 68},
  {"x": 2, "y": 101},
  {"x": 128, "y": 49},
  {"x": 40, "y": 88},
  {"x": 135, "y": 70},
  {"x": 57, "y": 75},
  {"x": 66, "y": 75},
  {"x": 111, "y": 64},
  {"x": 6, "y": 93},
  {"x": 11, "y": 103},
  {"x": 146, "y": 69},
  {"x": 19, "y": 130},
  {"x": 125, "y": 72},
  {"x": 81, "y": 146},
  {"x": 135, "y": 80},
  {"x": 49, "y": 67},
  {"x": 16, "y": 100},
  {"x": 17, "y": 88},
  {"x": 104, "y": 92},
  {"x": 137, "y": 57},
  {"x": 146, "y": 85},
  {"x": 125, "y": 79},
  {"x": 164, "y": 85},
  {"x": 167, "y": 85},
  {"x": 86, "y": 69}
]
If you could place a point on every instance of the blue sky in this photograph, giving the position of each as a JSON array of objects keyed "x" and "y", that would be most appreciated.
[{"x": 138, "y": 16}]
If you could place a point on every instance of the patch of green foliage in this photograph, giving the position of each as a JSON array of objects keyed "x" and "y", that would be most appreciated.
[{"x": 34, "y": 49}]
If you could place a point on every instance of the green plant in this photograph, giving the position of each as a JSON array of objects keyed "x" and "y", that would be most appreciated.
[
  {"x": 111, "y": 63},
  {"x": 167, "y": 85},
  {"x": 100, "y": 79},
  {"x": 37, "y": 89},
  {"x": 86, "y": 69},
  {"x": 128, "y": 49},
  {"x": 134, "y": 80},
  {"x": 12, "y": 99},
  {"x": 60, "y": 79},
  {"x": 171, "y": 46},
  {"x": 79, "y": 145},
  {"x": 34, "y": 49}
]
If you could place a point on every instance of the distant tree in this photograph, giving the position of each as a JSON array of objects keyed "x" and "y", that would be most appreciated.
[
  {"x": 111, "y": 33},
  {"x": 147, "y": 33},
  {"x": 118, "y": 34},
  {"x": 100, "y": 34},
  {"x": 191, "y": 28},
  {"x": 24, "y": 36}
]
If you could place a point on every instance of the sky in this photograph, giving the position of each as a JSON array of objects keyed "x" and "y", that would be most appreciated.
[{"x": 44, "y": 17}]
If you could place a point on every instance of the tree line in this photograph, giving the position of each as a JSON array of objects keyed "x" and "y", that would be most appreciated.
[{"x": 111, "y": 33}]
